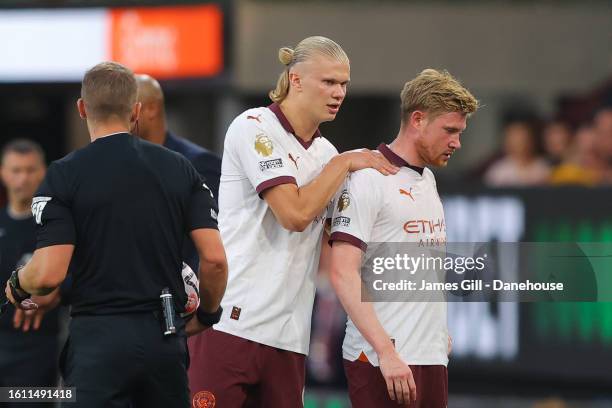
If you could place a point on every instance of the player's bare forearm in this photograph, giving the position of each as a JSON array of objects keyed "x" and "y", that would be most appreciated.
[
  {"x": 325, "y": 256},
  {"x": 213, "y": 280},
  {"x": 213, "y": 267},
  {"x": 46, "y": 270},
  {"x": 345, "y": 264}
]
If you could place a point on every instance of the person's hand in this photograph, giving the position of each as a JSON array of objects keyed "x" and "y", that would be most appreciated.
[
  {"x": 27, "y": 304},
  {"x": 364, "y": 159},
  {"x": 450, "y": 345},
  {"x": 398, "y": 376},
  {"x": 194, "y": 326},
  {"x": 26, "y": 319}
]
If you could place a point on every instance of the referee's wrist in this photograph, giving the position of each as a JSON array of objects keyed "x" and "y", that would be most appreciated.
[
  {"x": 16, "y": 290},
  {"x": 208, "y": 319}
]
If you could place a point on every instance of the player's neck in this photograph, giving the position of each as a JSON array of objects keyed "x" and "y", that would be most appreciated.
[
  {"x": 404, "y": 148},
  {"x": 19, "y": 209},
  {"x": 303, "y": 127},
  {"x": 97, "y": 131}
]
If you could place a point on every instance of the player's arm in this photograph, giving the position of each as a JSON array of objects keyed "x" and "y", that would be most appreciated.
[
  {"x": 46, "y": 270},
  {"x": 203, "y": 230},
  {"x": 213, "y": 267},
  {"x": 213, "y": 277},
  {"x": 41, "y": 275},
  {"x": 295, "y": 207},
  {"x": 345, "y": 279},
  {"x": 55, "y": 240},
  {"x": 324, "y": 256}
]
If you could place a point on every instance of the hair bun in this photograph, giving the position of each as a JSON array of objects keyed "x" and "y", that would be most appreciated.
[{"x": 285, "y": 55}]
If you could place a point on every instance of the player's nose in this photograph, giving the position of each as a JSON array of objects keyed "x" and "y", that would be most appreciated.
[
  {"x": 455, "y": 144},
  {"x": 339, "y": 92}
]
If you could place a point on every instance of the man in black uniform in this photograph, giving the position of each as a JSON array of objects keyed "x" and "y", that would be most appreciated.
[
  {"x": 152, "y": 127},
  {"x": 115, "y": 213},
  {"x": 26, "y": 359}
]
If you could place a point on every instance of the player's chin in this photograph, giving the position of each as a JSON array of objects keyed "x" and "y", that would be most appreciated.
[
  {"x": 442, "y": 161},
  {"x": 328, "y": 117}
]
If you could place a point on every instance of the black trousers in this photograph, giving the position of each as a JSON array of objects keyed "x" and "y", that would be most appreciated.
[{"x": 125, "y": 361}]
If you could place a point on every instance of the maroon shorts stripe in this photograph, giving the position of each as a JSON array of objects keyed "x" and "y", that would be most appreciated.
[{"x": 367, "y": 387}]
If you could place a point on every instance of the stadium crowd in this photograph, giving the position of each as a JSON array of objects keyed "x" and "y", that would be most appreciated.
[{"x": 554, "y": 153}]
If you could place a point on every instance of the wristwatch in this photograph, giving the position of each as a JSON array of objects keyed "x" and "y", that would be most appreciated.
[
  {"x": 208, "y": 319},
  {"x": 18, "y": 293}
]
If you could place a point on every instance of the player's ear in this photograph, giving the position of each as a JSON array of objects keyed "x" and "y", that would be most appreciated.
[
  {"x": 295, "y": 80},
  {"x": 81, "y": 108},
  {"x": 417, "y": 118}
]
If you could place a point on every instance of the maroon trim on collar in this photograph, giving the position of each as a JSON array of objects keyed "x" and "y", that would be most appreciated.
[
  {"x": 396, "y": 160},
  {"x": 275, "y": 107},
  {"x": 273, "y": 182},
  {"x": 348, "y": 238}
]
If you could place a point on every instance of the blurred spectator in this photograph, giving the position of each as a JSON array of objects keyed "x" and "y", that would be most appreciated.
[
  {"x": 550, "y": 403},
  {"x": 603, "y": 130},
  {"x": 584, "y": 166},
  {"x": 26, "y": 359},
  {"x": 557, "y": 141},
  {"x": 521, "y": 164}
]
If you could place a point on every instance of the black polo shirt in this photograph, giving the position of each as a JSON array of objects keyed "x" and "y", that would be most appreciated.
[
  {"x": 208, "y": 165},
  {"x": 126, "y": 205}
]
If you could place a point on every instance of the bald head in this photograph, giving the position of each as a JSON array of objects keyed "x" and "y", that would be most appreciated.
[
  {"x": 152, "y": 122},
  {"x": 149, "y": 90}
]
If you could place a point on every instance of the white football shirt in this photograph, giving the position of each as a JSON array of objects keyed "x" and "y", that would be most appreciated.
[
  {"x": 271, "y": 285},
  {"x": 404, "y": 207}
]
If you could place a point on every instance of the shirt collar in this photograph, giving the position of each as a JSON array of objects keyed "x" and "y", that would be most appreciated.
[
  {"x": 275, "y": 108},
  {"x": 396, "y": 160}
]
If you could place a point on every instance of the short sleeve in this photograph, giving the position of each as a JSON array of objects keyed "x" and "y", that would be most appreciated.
[
  {"x": 202, "y": 207},
  {"x": 51, "y": 211},
  {"x": 209, "y": 166},
  {"x": 263, "y": 158},
  {"x": 355, "y": 209}
]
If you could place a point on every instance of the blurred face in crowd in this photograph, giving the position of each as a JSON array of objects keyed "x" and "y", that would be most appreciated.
[
  {"x": 519, "y": 141},
  {"x": 603, "y": 128},
  {"x": 437, "y": 136},
  {"x": 320, "y": 84},
  {"x": 22, "y": 173},
  {"x": 586, "y": 143},
  {"x": 557, "y": 138}
]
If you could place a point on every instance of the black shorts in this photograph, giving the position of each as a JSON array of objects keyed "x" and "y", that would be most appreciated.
[{"x": 125, "y": 361}]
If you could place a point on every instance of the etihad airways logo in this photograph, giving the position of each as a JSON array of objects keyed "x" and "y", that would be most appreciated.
[{"x": 425, "y": 226}]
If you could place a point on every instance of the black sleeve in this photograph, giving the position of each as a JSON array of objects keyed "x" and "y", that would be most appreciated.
[
  {"x": 54, "y": 222},
  {"x": 209, "y": 167},
  {"x": 202, "y": 208}
]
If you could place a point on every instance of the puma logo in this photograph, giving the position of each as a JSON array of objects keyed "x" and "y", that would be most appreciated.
[
  {"x": 294, "y": 160},
  {"x": 255, "y": 118},
  {"x": 408, "y": 193}
]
